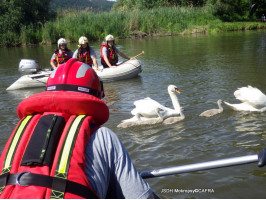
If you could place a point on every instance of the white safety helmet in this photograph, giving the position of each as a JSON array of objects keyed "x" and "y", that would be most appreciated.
[
  {"x": 61, "y": 41},
  {"x": 109, "y": 38},
  {"x": 83, "y": 40}
]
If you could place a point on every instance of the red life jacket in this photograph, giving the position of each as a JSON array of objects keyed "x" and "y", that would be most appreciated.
[
  {"x": 45, "y": 155},
  {"x": 111, "y": 55},
  {"x": 61, "y": 58},
  {"x": 85, "y": 57}
]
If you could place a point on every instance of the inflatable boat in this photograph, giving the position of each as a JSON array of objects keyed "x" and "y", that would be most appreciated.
[
  {"x": 33, "y": 77},
  {"x": 124, "y": 70}
]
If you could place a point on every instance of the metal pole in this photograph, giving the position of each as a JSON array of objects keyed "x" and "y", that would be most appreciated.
[{"x": 200, "y": 166}]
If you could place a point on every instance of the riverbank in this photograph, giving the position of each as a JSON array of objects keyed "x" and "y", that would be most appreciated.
[{"x": 136, "y": 23}]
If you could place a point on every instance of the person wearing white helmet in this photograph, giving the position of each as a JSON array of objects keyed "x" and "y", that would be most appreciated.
[
  {"x": 61, "y": 55},
  {"x": 109, "y": 53},
  {"x": 85, "y": 53}
]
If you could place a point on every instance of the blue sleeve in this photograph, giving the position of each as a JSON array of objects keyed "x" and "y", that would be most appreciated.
[{"x": 110, "y": 170}]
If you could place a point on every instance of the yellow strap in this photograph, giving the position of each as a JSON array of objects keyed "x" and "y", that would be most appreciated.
[
  {"x": 65, "y": 154},
  {"x": 14, "y": 143},
  {"x": 69, "y": 142}
]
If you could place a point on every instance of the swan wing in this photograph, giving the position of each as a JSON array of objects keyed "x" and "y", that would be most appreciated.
[
  {"x": 251, "y": 96},
  {"x": 147, "y": 102},
  {"x": 242, "y": 107},
  {"x": 146, "y": 107}
]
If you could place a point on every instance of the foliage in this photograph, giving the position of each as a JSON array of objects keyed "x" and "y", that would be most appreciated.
[
  {"x": 139, "y": 23},
  {"x": 226, "y": 10},
  {"x": 232, "y": 10},
  {"x": 149, "y": 4},
  {"x": 92, "y": 5},
  {"x": 258, "y": 7},
  {"x": 16, "y": 14}
]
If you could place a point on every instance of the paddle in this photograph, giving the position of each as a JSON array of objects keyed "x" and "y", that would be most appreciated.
[
  {"x": 132, "y": 58},
  {"x": 261, "y": 159},
  {"x": 136, "y": 56}
]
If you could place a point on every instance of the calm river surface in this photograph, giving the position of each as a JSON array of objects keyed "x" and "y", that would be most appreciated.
[{"x": 205, "y": 68}]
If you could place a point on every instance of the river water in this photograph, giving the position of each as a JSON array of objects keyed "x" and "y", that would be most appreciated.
[{"x": 205, "y": 68}]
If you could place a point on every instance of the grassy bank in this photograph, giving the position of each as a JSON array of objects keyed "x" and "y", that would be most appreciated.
[{"x": 155, "y": 22}]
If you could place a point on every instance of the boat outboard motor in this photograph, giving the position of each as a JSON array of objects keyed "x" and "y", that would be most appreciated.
[{"x": 28, "y": 66}]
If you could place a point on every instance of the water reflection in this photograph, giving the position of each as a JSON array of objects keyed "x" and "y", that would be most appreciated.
[{"x": 19, "y": 95}]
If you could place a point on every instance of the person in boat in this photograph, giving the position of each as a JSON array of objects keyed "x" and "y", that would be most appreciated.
[
  {"x": 263, "y": 19},
  {"x": 109, "y": 53},
  {"x": 61, "y": 55},
  {"x": 85, "y": 53},
  {"x": 59, "y": 148}
]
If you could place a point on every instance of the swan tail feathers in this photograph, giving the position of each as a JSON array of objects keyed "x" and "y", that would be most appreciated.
[{"x": 251, "y": 95}]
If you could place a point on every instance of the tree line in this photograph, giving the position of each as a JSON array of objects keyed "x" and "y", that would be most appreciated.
[
  {"x": 23, "y": 21},
  {"x": 227, "y": 10},
  {"x": 94, "y": 5}
]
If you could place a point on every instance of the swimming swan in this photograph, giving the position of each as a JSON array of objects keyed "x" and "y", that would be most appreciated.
[
  {"x": 252, "y": 100},
  {"x": 149, "y": 108},
  {"x": 149, "y": 111},
  {"x": 212, "y": 112}
]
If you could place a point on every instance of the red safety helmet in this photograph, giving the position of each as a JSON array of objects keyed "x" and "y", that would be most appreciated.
[{"x": 75, "y": 76}]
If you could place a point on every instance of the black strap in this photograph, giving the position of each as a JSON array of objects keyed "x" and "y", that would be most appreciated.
[
  {"x": 27, "y": 178},
  {"x": 76, "y": 88}
]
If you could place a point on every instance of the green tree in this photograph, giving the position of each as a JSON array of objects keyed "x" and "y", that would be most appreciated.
[
  {"x": 258, "y": 7},
  {"x": 93, "y": 5},
  {"x": 148, "y": 4},
  {"x": 15, "y": 14},
  {"x": 232, "y": 10}
]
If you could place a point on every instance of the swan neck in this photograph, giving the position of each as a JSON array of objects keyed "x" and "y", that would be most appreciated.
[
  {"x": 175, "y": 101},
  {"x": 220, "y": 106}
]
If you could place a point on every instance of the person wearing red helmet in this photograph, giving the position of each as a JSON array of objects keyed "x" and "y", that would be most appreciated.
[{"x": 60, "y": 150}]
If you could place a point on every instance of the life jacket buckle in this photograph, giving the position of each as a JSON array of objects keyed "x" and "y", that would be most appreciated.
[{"x": 19, "y": 177}]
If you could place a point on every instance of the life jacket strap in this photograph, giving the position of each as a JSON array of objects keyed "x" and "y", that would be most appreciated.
[{"x": 31, "y": 179}]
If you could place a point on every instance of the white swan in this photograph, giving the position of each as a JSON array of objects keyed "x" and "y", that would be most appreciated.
[
  {"x": 149, "y": 108},
  {"x": 149, "y": 111},
  {"x": 252, "y": 100},
  {"x": 212, "y": 112}
]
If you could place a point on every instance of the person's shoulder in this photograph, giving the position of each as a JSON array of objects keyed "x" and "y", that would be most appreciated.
[
  {"x": 105, "y": 130},
  {"x": 106, "y": 133}
]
